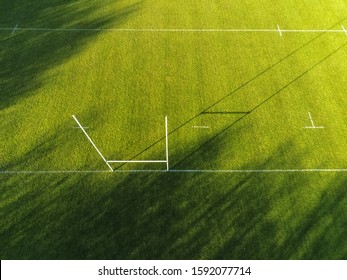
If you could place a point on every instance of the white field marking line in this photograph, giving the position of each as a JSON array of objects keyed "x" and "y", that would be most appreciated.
[
  {"x": 259, "y": 170},
  {"x": 201, "y": 126},
  {"x": 135, "y": 161},
  {"x": 167, "y": 143},
  {"x": 309, "y": 114},
  {"x": 175, "y": 30},
  {"x": 312, "y": 123},
  {"x": 311, "y": 31},
  {"x": 344, "y": 29},
  {"x": 52, "y": 171},
  {"x": 314, "y": 127},
  {"x": 85, "y": 127},
  {"x": 14, "y": 29},
  {"x": 91, "y": 141},
  {"x": 279, "y": 30},
  {"x": 318, "y": 170}
]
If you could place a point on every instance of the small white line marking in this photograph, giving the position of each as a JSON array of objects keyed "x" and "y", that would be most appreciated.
[
  {"x": 14, "y": 29},
  {"x": 91, "y": 141},
  {"x": 344, "y": 29},
  {"x": 201, "y": 126},
  {"x": 312, "y": 123},
  {"x": 279, "y": 30},
  {"x": 85, "y": 127}
]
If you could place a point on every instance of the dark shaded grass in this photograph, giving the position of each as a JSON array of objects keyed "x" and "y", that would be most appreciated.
[
  {"x": 25, "y": 55},
  {"x": 174, "y": 215}
]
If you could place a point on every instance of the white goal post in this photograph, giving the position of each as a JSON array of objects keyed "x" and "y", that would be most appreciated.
[{"x": 107, "y": 162}]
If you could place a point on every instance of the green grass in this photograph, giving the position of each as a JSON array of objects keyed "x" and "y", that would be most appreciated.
[{"x": 121, "y": 85}]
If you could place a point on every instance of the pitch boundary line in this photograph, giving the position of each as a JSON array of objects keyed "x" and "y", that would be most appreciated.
[
  {"x": 259, "y": 171},
  {"x": 322, "y": 170},
  {"x": 178, "y": 30}
]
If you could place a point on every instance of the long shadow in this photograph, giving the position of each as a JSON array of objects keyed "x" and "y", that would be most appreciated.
[
  {"x": 175, "y": 215},
  {"x": 243, "y": 85},
  {"x": 304, "y": 219},
  {"x": 321, "y": 236},
  {"x": 25, "y": 55},
  {"x": 42, "y": 150},
  {"x": 263, "y": 102},
  {"x": 135, "y": 216}
]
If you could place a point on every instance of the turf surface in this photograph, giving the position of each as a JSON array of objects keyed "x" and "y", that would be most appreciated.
[{"x": 252, "y": 90}]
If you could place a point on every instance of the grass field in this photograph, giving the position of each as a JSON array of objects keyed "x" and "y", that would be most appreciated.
[{"x": 247, "y": 180}]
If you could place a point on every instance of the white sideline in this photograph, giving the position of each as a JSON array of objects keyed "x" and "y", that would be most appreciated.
[
  {"x": 279, "y": 30},
  {"x": 318, "y": 170},
  {"x": 91, "y": 141},
  {"x": 259, "y": 171},
  {"x": 185, "y": 30},
  {"x": 52, "y": 171}
]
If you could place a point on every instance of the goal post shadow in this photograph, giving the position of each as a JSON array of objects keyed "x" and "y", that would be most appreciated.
[{"x": 108, "y": 162}]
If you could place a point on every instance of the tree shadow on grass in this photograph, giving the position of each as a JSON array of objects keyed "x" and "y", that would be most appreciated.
[
  {"x": 301, "y": 231},
  {"x": 321, "y": 236},
  {"x": 26, "y": 54},
  {"x": 175, "y": 215},
  {"x": 301, "y": 215}
]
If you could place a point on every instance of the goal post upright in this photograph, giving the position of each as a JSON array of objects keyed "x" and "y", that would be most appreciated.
[{"x": 107, "y": 162}]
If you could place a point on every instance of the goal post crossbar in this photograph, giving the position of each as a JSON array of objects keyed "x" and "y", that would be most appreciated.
[{"x": 152, "y": 161}]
